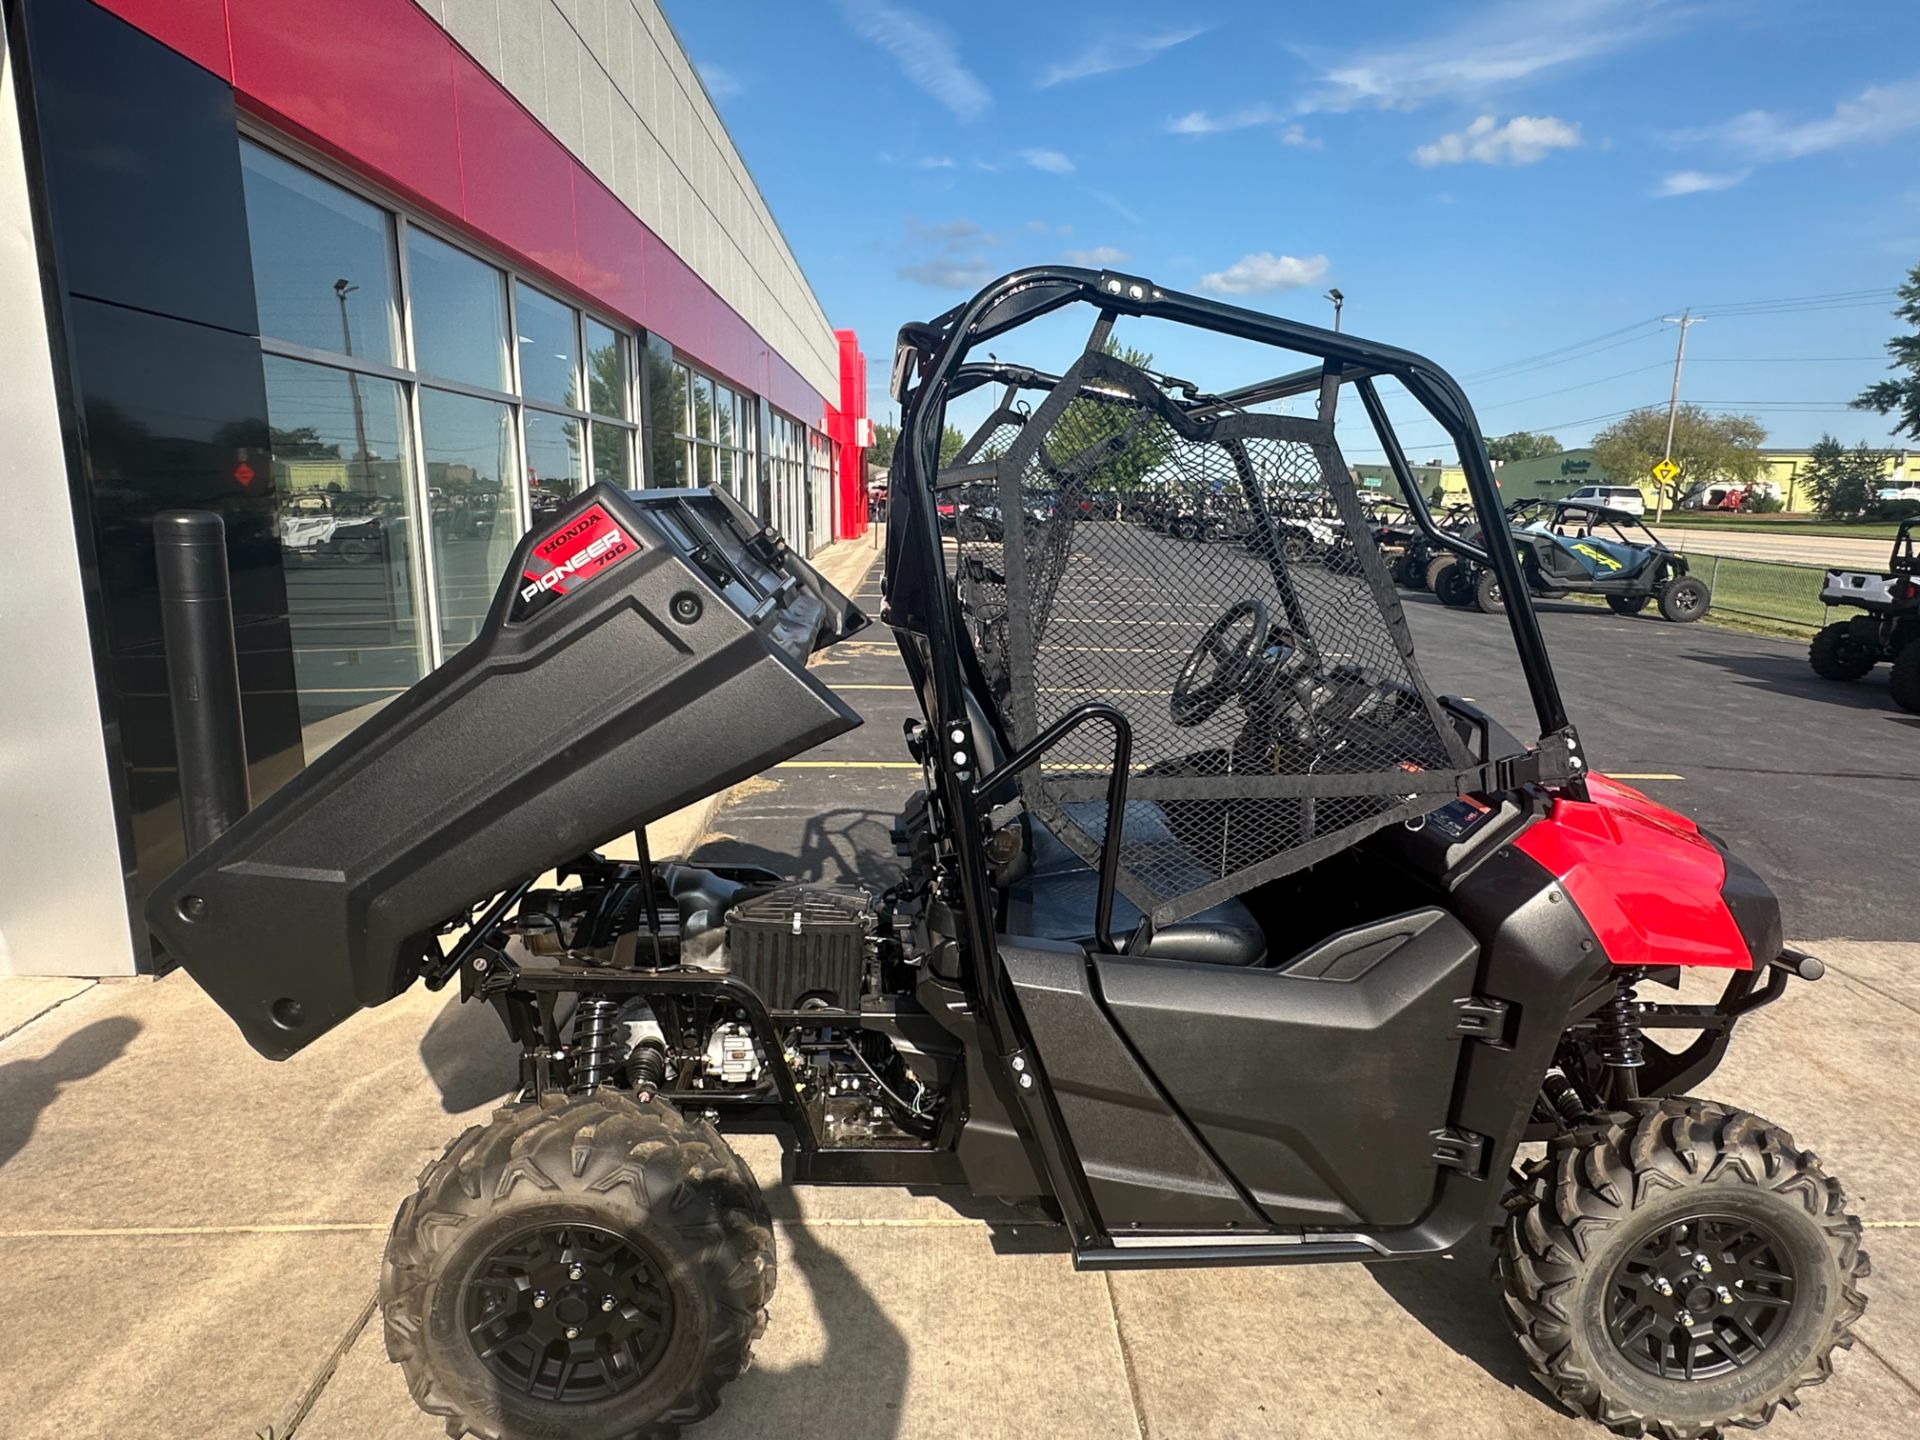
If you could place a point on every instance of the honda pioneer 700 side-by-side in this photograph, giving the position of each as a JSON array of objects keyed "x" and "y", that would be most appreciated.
[{"x": 1219, "y": 938}]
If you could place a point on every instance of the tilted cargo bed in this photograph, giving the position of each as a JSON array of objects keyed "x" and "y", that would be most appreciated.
[{"x": 645, "y": 650}]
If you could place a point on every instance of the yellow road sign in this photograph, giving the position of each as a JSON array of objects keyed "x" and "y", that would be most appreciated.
[{"x": 1665, "y": 471}]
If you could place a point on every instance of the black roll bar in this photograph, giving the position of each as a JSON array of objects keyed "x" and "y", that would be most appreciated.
[{"x": 1116, "y": 797}]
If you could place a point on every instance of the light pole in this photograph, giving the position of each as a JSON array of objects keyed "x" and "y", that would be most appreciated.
[
  {"x": 1338, "y": 300},
  {"x": 341, "y": 289}
]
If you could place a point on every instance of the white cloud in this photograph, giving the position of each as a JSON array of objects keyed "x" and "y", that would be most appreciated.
[
  {"x": 1113, "y": 203},
  {"x": 934, "y": 162},
  {"x": 1523, "y": 140},
  {"x": 1500, "y": 45},
  {"x": 924, "y": 52},
  {"x": 1202, "y": 122},
  {"x": 1875, "y": 116},
  {"x": 721, "y": 84},
  {"x": 1695, "y": 182},
  {"x": 1105, "y": 56},
  {"x": 1051, "y": 161},
  {"x": 1264, "y": 272},
  {"x": 1096, "y": 258},
  {"x": 950, "y": 272},
  {"x": 959, "y": 260}
]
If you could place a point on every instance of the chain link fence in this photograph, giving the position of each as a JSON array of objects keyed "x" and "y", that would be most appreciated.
[{"x": 1774, "y": 592}]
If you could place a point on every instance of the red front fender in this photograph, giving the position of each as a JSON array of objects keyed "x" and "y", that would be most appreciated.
[{"x": 1648, "y": 882}]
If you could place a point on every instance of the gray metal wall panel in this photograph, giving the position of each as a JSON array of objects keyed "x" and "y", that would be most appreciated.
[
  {"x": 661, "y": 148},
  {"x": 63, "y": 900}
]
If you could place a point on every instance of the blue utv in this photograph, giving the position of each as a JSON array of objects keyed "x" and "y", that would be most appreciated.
[{"x": 1567, "y": 547}]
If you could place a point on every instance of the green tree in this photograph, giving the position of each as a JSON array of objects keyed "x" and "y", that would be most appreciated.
[
  {"x": 1707, "y": 448},
  {"x": 1521, "y": 445},
  {"x": 1843, "y": 482},
  {"x": 1901, "y": 396},
  {"x": 886, "y": 438},
  {"x": 1087, "y": 422}
]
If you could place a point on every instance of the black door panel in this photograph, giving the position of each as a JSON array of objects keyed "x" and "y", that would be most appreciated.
[{"x": 1319, "y": 1084}]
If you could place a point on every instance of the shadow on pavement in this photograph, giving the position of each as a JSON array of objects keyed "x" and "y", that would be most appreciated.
[
  {"x": 1789, "y": 675},
  {"x": 469, "y": 1057},
  {"x": 862, "y": 1372},
  {"x": 28, "y": 1087},
  {"x": 1460, "y": 1307},
  {"x": 839, "y": 847}
]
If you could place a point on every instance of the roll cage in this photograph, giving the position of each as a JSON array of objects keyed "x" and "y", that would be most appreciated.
[{"x": 931, "y": 369}]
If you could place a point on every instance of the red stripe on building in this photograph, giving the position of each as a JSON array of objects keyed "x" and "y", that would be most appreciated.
[{"x": 382, "y": 89}]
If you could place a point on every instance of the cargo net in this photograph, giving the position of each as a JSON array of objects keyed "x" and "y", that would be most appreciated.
[{"x": 1215, "y": 580}]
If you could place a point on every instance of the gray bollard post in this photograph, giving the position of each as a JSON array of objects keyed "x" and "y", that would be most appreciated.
[{"x": 203, "y": 672}]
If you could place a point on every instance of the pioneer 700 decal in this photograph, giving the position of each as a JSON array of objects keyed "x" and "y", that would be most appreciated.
[{"x": 578, "y": 550}]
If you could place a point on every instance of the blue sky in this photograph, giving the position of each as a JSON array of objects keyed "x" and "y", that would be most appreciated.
[{"x": 1519, "y": 190}]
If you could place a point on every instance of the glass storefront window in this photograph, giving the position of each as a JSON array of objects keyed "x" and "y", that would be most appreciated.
[
  {"x": 606, "y": 370},
  {"x": 555, "y": 466},
  {"x": 459, "y": 310},
  {"x": 341, "y": 471},
  {"x": 549, "y": 343},
  {"x": 610, "y": 463},
  {"x": 666, "y": 415},
  {"x": 469, "y": 454},
  {"x": 702, "y": 408},
  {"x": 323, "y": 261}
]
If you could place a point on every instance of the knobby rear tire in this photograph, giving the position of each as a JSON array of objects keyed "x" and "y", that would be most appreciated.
[
  {"x": 675, "y": 1187},
  {"x": 1906, "y": 678},
  {"x": 1835, "y": 655}
]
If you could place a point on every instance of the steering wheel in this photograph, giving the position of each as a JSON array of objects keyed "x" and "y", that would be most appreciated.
[{"x": 1219, "y": 663}]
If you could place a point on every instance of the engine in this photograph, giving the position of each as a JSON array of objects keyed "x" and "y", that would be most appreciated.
[{"x": 824, "y": 961}]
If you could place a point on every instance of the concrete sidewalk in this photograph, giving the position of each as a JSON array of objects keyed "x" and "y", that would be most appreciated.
[{"x": 190, "y": 1236}]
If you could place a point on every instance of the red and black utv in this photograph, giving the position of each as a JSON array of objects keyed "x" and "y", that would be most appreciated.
[{"x": 1220, "y": 937}]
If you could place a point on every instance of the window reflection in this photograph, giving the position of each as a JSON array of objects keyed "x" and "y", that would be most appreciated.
[
  {"x": 666, "y": 415},
  {"x": 554, "y": 467},
  {"x": 323, "y": 267},
  {"x": 469, "y": 452},
  {"x": 549, "y": 348},
  {"x": 340, "y": 471},
  {"x": 459, "y": 311},
  {"x": 606, "y": 370},
  {"x": 610, "y": 463},
  {"x": 702, "y": 408}
]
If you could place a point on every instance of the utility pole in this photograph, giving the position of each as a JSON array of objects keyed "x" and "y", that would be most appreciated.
[
  {"x": 343, "y": 288},
  {"x": 1338, "y": 300},
  {"x": 1686, "y": 321}
]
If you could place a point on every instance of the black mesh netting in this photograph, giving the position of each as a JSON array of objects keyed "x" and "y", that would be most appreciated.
[{"x": 1099, "y": 542}]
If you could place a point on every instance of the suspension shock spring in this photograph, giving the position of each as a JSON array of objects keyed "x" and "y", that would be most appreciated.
[
  {"x": 1617, "y": 1029},
  {"x": 598, "y": 1045}
]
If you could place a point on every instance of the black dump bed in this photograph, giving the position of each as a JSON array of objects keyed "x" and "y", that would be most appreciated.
[{"x": 645, "y": 650}]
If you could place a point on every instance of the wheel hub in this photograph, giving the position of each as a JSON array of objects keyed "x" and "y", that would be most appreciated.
[
  {"x": 1700, "y": 1297},
  {"x": 568, "y": 1312}
]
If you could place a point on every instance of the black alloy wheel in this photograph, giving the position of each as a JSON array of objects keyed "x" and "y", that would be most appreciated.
[
  {"x": 1701, "y": 1296},
  {"x": 1685, "y": 600},
  {"x": 568, "y": 1312}
]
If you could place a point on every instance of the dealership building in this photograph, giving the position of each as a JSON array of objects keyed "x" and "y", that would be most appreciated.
[{"x": 381, "y": 282}]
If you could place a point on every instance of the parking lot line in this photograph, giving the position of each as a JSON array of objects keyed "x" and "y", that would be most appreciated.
[
  {"x": 1640, "y": 775},
  {"x": 846, "y": 765}
]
